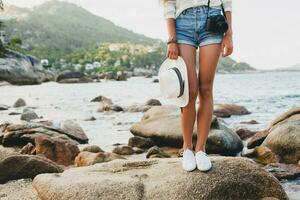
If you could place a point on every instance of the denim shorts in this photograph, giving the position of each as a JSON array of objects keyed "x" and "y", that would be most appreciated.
[{"x": 190, "y": 27}]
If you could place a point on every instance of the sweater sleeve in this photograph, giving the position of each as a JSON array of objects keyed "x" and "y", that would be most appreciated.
[
  {"x": 227, "y": 5},
  {"x": 170, "y": 9}
]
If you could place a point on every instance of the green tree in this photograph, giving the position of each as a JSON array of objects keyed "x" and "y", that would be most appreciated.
[
  {"x": 2, "y": 49},
  {"x": 15, "y": 41}
]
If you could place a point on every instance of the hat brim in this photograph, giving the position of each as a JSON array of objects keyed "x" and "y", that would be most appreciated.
[{"x": 180, "y": 64}]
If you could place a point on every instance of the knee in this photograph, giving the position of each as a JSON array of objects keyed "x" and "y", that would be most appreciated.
[{"x": 205, "y": 92}]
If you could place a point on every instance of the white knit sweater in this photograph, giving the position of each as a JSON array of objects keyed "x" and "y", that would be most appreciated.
[{"x": 173, "y": 8}]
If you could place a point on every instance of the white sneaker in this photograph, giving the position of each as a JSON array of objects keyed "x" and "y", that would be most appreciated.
[
  {"x": 203, "y": 161},
  {"x": 188, "y": 160}
]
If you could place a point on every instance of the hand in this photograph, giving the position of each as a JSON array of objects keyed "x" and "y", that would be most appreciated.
[
  {"x": 227, "y": 45},
  {"x": 172, "y": 51}
]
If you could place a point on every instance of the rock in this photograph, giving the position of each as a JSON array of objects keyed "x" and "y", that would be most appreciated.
[
  {"x": 137, "y": 108},
  {"x": 257, "y": 139},
  {"x": 123, "y": 150},
  {"x": 110, "y": 75},
  {"x": 162, "y": 125},
  {"x": 18, "y": 190},
  {"x": 230, "y": 178},
  {"x": 141, "y": 142},
  {"x": 284, "y": 140},
  {"x": 19, "y": 103},
  {"x": 58, "y": 149},
  {"x": 93, "y": 149},
  {"x": 138, "y": 150},
  {"x": 86, "y": 158},
  {"x": 153, "y": 102},
  {"x": 283, "y": 171},
  {"x": 293, "y": 114},
  {"x": 14, "y": 113},
  {"x": 21, "y": 134},
  {"x": 3, "y": 107},
  {"x": 263, "y": 155},
  {"x": 28, "y": 149},
  {"x": 250, "y": 122},
  {"x": 73, "y": 77},
  {"x": 244, "y": 133},
  {"x": 90, "y": 119},
  {"x": 226, "y": 110},
  {"x": 102, "y": 99},
  {"x": 7, "y": 151},
  {"x": 143, "y": 72},
  {"x": 29, "y": 115},
  {"x": 121, "y": 76},
  {"x": 108, "y": 107},
  {"x": 156, "y": 152},
  {"x": 155, "y": 80},
  {"x": 148, "y": 76},
  {"x": 72, "y": 130},
  {"x": 25, "y": 166},
  {"x": 19, "y": 69}
]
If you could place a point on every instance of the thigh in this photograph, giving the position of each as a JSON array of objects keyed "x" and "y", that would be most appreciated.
[
  {"x": 208, "y": 60},
  {"x": 188, "y": 53}
]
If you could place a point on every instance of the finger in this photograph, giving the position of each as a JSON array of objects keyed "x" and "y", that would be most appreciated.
[
  {"x": 222, "y": 48},
  {"x": 172, "y": 55}
]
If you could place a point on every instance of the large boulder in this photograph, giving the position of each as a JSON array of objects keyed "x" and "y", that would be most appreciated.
[
  {"x": 73, "y": 77},
  {"x": 21, "y": 134},
  {"x": 25, "y": 166},
  {"x": 162, "y": 125},
  {"x": 284, "y": 140},
  {"x": 19, "y": 69},
  {"x": 293, "y": 114},
  {"x": 230, "y": 178}
]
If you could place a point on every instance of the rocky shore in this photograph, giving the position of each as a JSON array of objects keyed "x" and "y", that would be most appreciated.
[
  {"x": 19, "y": 69},
  {"x": 45, "y": 157}
]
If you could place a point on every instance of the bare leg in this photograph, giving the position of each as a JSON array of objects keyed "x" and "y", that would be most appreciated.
[
  {"x": 188, "y": 113},
  {"x": 208, "y": 58}
]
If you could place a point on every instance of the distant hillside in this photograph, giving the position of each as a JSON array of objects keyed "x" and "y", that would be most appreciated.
[
  {"x": 57, "y": 28},
  {"x": 291, "y": 68},
  {"x": 228, "y": 65}
]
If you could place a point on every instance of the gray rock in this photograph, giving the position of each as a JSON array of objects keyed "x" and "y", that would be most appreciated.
[
  {"x": 230, "y": 178},
  {"x": 19, "y": 103},
  {"x": 153, "y": 102},
  {"x": 29, "y": 115},
  {"x": 162, "y": 125},
  {"x": 73, "y": 77},
  {"x": 136, "y": 108},
  {"x": 25, "y": 166},
  {"x": 19, "y": 69},
  {"x": 102, "y": 99},
  {"x": 21, "y": 134},
  {"x": 141, "y": 142},
  {"x": 156, "y": 152},
  {"x": 3, "y": 107}
]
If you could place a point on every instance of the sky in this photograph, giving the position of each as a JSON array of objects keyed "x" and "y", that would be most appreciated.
[{"x": 266, "y": 33}]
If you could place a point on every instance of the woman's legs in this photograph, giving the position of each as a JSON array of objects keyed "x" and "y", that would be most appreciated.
[
  {"x": 188, "y": 113},
  {"x": 208, "y": 58}
]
